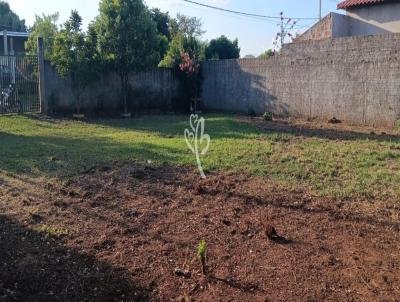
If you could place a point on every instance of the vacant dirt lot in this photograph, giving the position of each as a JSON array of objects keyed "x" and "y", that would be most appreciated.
[{"x": 129, "y": 231}]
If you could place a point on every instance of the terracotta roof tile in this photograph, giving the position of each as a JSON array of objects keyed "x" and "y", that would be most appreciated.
[{"x": 352, "y": 3}]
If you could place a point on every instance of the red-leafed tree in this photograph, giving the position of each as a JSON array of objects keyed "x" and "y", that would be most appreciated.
[{"x": 185, "y": 55}]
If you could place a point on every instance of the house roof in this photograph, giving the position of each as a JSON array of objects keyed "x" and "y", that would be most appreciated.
[
  {"x": 353, "y": 3},
  {"x": 15, "y": 34}
]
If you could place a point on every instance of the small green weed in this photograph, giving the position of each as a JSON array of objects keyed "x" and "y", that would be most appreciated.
[
  {"x": 201, "y": 255},
  {"x": 52, "y": 231}
]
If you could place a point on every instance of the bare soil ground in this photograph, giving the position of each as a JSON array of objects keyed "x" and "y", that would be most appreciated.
[{"x": 128, "y": 232}]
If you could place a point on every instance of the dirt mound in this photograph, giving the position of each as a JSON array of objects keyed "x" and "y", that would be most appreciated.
[{"x": 142, "y": 225}]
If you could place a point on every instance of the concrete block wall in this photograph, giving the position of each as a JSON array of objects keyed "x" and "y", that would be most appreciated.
[
  {"x": 150, "y": 90},
  {"x": 355, "y": 79},
  {"x": 375, "y": 19}
]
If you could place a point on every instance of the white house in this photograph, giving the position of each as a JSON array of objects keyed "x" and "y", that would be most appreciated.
[
  {"x": 12, "y": 43},
  {"x": 363, "y": 17},
  {"x": 371, "y": 17}
]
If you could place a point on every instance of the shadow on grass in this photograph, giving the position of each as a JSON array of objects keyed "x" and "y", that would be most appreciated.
[
  {"x": 218, "y": 126},
  {"x": 234, "y": 127},
  {"x": 65, "y": 156},
  {"x": 221, "y": 126},
  {"x": 35, "y": 268},
  {"x": 324, "y": 133},
  {"x": 54, "y": 154}
]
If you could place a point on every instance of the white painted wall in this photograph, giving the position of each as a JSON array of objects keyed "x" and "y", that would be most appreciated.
[{"x": 375, "y": 19}]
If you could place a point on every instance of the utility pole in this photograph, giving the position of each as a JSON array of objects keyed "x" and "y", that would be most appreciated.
[
  {"x": 320, "y": 10},
  {"x": 282, "y": 31}
]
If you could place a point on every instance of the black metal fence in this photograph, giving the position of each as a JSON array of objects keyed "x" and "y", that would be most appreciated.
[{"x": 19, "y": 84}]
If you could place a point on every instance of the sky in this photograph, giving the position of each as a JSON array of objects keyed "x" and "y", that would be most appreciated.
[{"x": 255, "y": 35}]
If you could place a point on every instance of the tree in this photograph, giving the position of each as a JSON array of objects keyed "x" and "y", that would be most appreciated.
[
  {"x": 163, "y": 47},
  {"x": 185, "y": 55},
  {"x": 128, "y": 39},
  {"x": 185, "y": 32},
  {"x": 73, "y": 55},
  {"x": 10, "y": 20},
  {"x": 267, "y": 54},
  {"x": 162, "y": 21},
  {"x": 186, "y": 26},
  {"x": 168, "y": 28},
  {"x": 93, "y": 61},
  {"x": 190, "y": 75},
  {"x": 250, "y": 56},
  {"x": 183, "y": 44},
  {"x": 222, "y": 49},
  {"x": 45, "y": 26}
]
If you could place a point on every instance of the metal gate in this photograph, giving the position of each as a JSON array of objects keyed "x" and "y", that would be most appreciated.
[{"x": 19, "y": 84}]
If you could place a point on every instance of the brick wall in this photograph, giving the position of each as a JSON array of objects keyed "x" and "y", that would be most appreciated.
[
  {"x": 321, "y": 30},
  {"x": 355, "y": 79}
]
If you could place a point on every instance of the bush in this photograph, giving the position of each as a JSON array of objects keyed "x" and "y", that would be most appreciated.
[{"x": 267, "y": 116}]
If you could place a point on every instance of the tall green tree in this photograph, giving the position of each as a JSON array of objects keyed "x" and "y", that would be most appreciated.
[
  {"x": 185, "y": 55},
  {"x": 162, "y": 21},
  {"x": 91, "y": 48},
  {"x": 128, "y": 39},
  {"x": 73, "y": 54},
  {"x": 186, "y": 26},
  {"x": 45, "y": 26},
  {"x": 183, "y": 44},
  {"x": 222, "y": 48},
  {"x": 185, "y": 38},
  {"x": 10, "y": 20}
]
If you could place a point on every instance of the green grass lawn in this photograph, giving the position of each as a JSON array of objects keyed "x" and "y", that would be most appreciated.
[{"x": 360, "y": 167}]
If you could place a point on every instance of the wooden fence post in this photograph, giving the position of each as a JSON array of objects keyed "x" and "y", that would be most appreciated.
[{"x": 42, "y": 88}]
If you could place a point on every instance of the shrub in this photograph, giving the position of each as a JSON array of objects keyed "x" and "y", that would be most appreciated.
[{"x": 267, "y": 116}]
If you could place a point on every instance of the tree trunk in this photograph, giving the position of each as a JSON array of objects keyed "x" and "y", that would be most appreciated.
[
  {"x": 126, "y": 93},
  {"x": 78, "y": 101},
  {"x": 124, "y": 90},
  {"x": 76, "y": 93}
]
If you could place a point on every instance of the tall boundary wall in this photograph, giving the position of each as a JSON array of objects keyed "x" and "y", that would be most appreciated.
[
  {"x": 152, "y": 90},
  {"x": 355, "y": 79}
]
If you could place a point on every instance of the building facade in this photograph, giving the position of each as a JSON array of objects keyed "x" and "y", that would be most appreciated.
[
  {"x": 12, "y": 43},
  {"x": 363, "y": 18}
]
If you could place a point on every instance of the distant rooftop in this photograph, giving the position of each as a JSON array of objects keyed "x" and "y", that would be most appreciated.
[
  {"x": 15, "y": 34},
  {"x": 353, "y": 3}
]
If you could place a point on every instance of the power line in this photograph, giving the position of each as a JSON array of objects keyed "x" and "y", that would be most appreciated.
[
  {"x": 247, "y": 18},
  {"x": 244, "y": 13}
]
